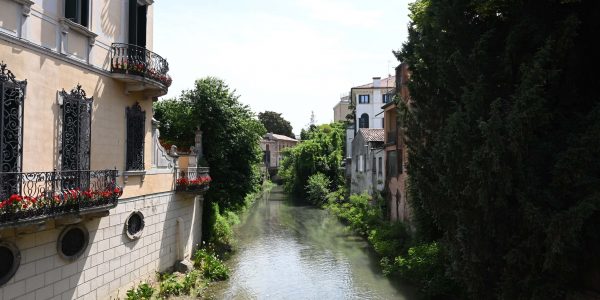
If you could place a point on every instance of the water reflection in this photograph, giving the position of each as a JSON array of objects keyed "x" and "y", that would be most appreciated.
[{"x": 287, "y": 250}]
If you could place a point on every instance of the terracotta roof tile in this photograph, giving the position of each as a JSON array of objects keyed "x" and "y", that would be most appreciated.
[{"x": 372, "y": 134}]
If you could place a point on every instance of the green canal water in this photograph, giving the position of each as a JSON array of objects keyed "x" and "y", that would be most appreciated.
[{"x": 290, "y": 250}]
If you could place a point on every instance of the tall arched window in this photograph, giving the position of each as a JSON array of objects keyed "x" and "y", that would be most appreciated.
[{"x": 363, "y": 122}]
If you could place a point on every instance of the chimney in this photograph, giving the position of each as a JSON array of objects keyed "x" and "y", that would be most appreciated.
[{"x": 376, "y": 82}]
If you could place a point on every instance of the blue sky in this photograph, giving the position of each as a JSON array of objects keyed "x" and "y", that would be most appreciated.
[{"x": 288, "y": 56}]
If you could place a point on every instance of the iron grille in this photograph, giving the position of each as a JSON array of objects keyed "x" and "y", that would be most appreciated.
[
  {"x": 76, "y": 134},
  {"x": 137, "y": 60},
  {"x": 40, "y": 195},
  {"x": 136, "y": 121},
  {"x": 12, "y": 95}
]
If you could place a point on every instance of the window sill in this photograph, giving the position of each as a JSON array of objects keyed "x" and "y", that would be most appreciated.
[
  {"x": 67, "y": 25},
  {"x": 126, "y": 174}
]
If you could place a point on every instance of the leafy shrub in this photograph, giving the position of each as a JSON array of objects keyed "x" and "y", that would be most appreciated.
[
  {"x": 143, "y": 292},
  {"x": 317, "y": 189},
  {"x": 190, "y": 281},
  {"x": 170, "y": 285},
  {"x": 210, "y": 265},
  {"x": 389, "y": 239},
  {"x": 425, "y": 265}
]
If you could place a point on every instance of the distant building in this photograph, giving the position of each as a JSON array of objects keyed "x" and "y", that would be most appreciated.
[
  {"x": 341, "y": 109},
  {"x": 369, "y": 98},
  {"x": 367, "y": 169},
  {"x": 272, "y": 145},
  {"x": 396, "y": 153}
]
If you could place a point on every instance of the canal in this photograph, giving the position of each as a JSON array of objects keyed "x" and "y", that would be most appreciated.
[{"x": 290, "y": 250}]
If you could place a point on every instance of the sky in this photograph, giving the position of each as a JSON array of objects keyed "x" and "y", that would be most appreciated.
[{"x": 289, "y": 56}]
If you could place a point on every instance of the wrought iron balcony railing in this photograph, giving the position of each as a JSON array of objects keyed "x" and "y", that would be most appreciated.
[
  {"x": 193, "y": 179},
  {"x": 136, "y": 60},
  {"x": 35, "y": 196}
]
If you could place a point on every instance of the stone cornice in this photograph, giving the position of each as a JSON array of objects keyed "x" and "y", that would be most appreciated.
[
  {"x": 26, "y": 6},
  {"x": 67, "y": 25}
]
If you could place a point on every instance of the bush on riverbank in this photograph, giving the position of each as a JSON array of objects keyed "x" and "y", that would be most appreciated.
[
  {"x": 321, "y": 151},
  {"x": 423, "y": 264},
  {"x": 317, "y": 189},
  {"x": 207, "y": 268}
]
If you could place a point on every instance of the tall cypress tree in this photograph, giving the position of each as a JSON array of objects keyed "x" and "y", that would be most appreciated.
[{"x": 504, "y": 141}]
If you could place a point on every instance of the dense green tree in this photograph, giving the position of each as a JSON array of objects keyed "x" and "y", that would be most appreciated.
[
  {"x": 176, "y": 124},
  {"x": 321, "y": 152},
  {"x": 231, "y": 135},
  {"x": 504, "y": 141},
  {"x": 275, "y": 123}
]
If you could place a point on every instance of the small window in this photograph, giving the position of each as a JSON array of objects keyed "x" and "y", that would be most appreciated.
[
  {"x": 386, "y": 98},
  {"x": 136, "y": 123},
  {"x": 374, "y": 166},
  {"x": 72, "y": 242},
  {"x": 77, "y": 11},
  {"x": 134, "y": 225},
  {"x": 356, "y": 164},
  {"x": 363, "y": 99},
  {"x": 10, "y": 259},
  {"x": 392, "y": 164},
  {"x": 363, "y": 122},
  {"x": 380, "y": 167},
  {"x": 364, "y": 163}
]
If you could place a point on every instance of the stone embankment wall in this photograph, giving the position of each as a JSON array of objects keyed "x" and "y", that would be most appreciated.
[{"x": 112, "y": 262}]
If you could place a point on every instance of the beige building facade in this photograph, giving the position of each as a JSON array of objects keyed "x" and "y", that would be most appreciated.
[
  {"x": 272, "y": 146},
  {"x": 90, "y": 203},
  {"x": 341, "y": 109}
]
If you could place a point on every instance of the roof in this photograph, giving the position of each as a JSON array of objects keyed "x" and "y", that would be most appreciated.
[
  {"x": 280, "y": 137},
  {"x": 389, "y": 82},
  {"x": 372, "y": 134}
]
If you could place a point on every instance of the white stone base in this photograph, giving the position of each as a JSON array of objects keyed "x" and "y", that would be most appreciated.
[{"x": 112, "y": 263}]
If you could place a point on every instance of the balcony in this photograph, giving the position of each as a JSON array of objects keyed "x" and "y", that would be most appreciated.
[
  {"x": 140, "y": 69},
  {"x": 33, "y": 197},
  {"x": 193, "y": 179}
]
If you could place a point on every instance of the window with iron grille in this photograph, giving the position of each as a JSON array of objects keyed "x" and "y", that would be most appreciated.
[
  {"x": 12, "y": 95},
  {"x": 136, "y": 120},
  {"x": 76, "y": 130}
]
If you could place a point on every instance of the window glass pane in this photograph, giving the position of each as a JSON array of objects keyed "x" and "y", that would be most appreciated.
[
  {"x": 392, "y": 164},
  {"x": 374, "y": 166},
  {"x": 83, "y": 10},
  {"x": 71, "y": 10}
]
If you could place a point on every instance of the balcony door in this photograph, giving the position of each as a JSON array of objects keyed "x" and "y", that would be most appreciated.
[
  {"x": 76, "y": 138},
  {"x": 12, "y": 95},
  {"x": 137, "y": 23}
]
